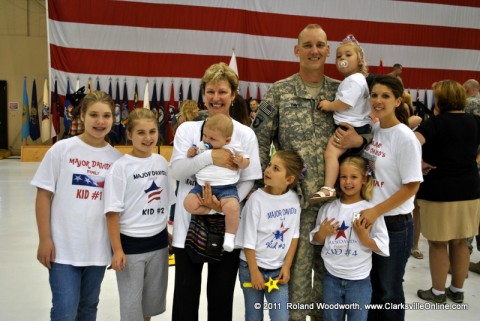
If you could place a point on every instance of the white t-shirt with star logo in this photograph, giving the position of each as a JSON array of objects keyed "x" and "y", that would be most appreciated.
[
  {"x": 142, "y": 191},
  {"x": 268, "y": 224},
  {"x": 343, "y": 254}
]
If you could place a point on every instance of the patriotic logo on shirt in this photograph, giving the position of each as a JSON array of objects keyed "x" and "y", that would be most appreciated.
[
  {"x": 277, "y": 239},
  {"x": 85, "y": 180},
  {"x": 278, "y": 234},
  {"x": 341, "y": 230},
  {"x": 153, "y": 192}
]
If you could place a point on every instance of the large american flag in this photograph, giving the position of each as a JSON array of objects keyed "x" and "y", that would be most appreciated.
[{"x": 164, "y": 41}]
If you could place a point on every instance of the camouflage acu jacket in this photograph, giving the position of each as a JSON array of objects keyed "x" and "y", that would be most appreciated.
[
  {"x": 473, "y": 105},
  {"x": 288, "y": 116}
]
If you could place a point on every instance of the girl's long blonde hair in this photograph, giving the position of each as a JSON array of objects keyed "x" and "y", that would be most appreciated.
[{"x": 362, "y": 165}]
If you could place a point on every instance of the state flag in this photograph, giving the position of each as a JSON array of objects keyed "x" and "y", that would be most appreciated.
[{"x": 34, "y": 121}]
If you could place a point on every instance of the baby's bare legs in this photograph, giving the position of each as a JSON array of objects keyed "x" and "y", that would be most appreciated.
[
  {"x": 332, "y": 166},
  {"x": 231, "y": 210},
  {"x": 192, "y": 205}
]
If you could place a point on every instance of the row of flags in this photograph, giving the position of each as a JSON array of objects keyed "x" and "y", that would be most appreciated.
[
  {"x": 44, "y": 124},
  {"x": 48, "y": 127}
]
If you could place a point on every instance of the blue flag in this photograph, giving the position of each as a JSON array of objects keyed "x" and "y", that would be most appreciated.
[
  {"x": 114, "y": 134},
  {"x": 200, "y": 100},
  {"x": 67, "y": 112},
  {"x": 180, "y": 101},
  {"x": 25, "y": 112},
  {"x": 189, "y": 94},
  {"x": 34, "y": 122},
  {"x": 161, "y": 117},
  {"x": 154, "y": 106},
  {"x": 124, "y": 114},
  {"x": 135, "y": 96}
]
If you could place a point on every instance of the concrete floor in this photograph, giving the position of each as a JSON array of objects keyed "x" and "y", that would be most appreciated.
[{"x": 25, "y": 293}]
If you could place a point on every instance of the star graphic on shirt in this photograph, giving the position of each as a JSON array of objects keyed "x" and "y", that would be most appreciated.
[
  {"x": 278, "y": 234},
  {"x": 341, "y": 230},
  {"x": 153, "y": 192}
]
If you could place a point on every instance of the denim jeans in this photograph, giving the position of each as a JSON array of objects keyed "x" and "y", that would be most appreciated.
[
  {"x": 387, "y": 272},
  {"x": 75, "y": 291},
  {"x": 336, "y": 290},
  {"x": 254, "y": 299}
]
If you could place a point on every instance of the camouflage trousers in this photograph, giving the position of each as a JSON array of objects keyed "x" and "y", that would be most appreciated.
[{"x": 305, "y": 286}]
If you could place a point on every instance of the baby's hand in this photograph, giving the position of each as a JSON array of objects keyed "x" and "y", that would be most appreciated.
[
  {"x": 192, "y": 151},
  {"x": 238, "y": 159},
  {"x": 324, "y": 105}
]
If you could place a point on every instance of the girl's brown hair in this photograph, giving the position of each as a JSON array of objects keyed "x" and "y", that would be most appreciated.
[{"x": 293, "y": 163}]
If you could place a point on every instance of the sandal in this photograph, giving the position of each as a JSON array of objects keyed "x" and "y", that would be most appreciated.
[
  {"x": 416, "y": 253},
  {"x": 322, "y": 197}
]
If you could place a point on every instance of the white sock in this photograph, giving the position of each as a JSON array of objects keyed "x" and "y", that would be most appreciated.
[
  {"x": 229, "y": 242},
  {"x": 454, "y": 289},
  {"x": 212, "y": 211},
  {"x": 436, "y": 292}
]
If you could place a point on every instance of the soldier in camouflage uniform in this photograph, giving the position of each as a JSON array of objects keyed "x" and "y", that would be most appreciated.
[
  {"x": 473, "y": 99},
  {"x": 288, "y": 116},
  {"x": 473, "y": 107}
]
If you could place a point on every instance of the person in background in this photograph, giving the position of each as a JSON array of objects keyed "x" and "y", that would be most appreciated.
[
  {"x": 395, "y": 157},
  {"x": 449, "y": 216},
  {"x": 473, "y": 97},
  {"x": 73, "y": 238},
  {"x": 473, "y": 107},
  {"x": 269, "y": 241},
  {"x": 397, "y": 71},
  {"x": 253, "y": 108},
  {"x": 138, "y": 194},
  {"x": 288, "y": 117},
  {"x": 188, "y": 112},
  {"x": 413, "y": 120},
  {"x": 219, "y": 86},
  {"x": 347, "y": 247},
  {"x": 239, "y": 110}
]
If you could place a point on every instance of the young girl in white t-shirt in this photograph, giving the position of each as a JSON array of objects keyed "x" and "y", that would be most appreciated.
[
  {"x": 268, "y": 234},
  {"x": 138, "y": 194},
  {"x": 69, "y": 208},
  {"x": 350, "y": 106},
  {"x": 348, "y": 243}
]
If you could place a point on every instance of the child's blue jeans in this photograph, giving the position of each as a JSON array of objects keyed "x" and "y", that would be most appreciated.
[{"x": 254, "y": 299}]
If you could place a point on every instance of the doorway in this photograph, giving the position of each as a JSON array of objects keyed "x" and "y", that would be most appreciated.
[{"x": 3, "y": 115}]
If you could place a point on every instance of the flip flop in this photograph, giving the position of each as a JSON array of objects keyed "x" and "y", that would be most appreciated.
[{"x": 416, "y": 253}]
